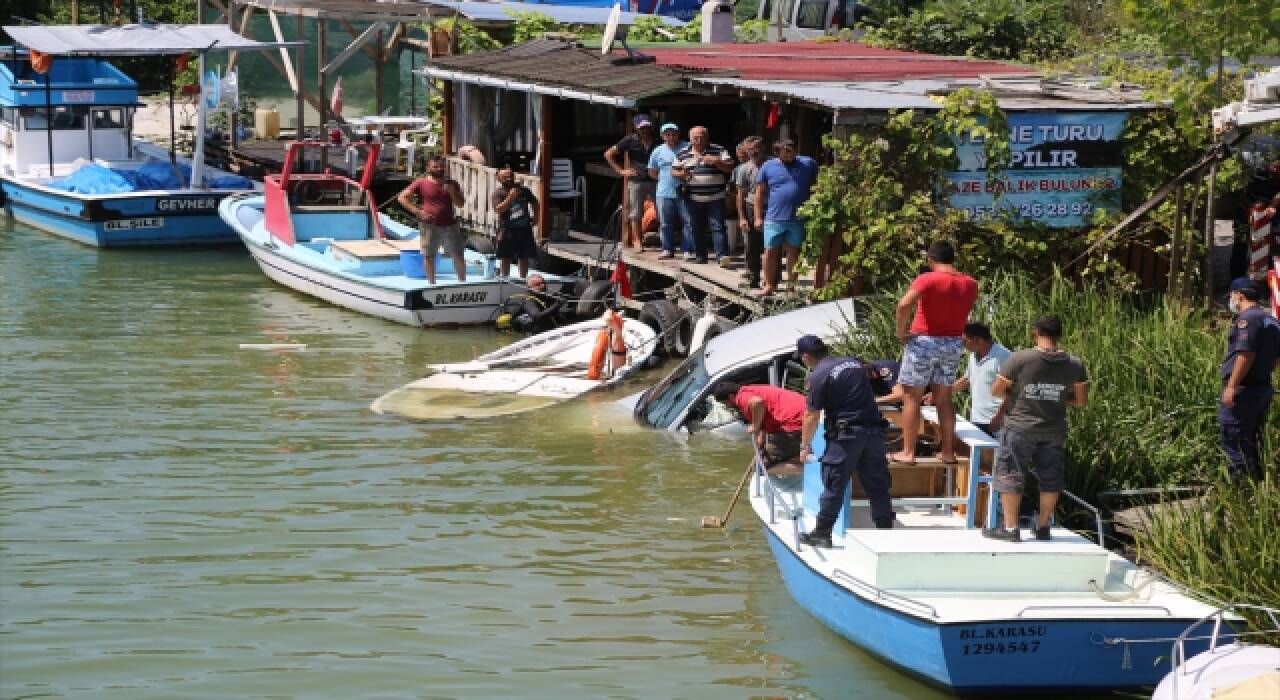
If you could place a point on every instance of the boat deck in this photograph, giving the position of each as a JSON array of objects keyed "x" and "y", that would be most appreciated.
[{"x": 930, "y": 562}]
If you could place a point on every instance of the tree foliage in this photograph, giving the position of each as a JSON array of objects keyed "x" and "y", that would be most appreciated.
[
  {"x": 1029, "y": 30},
  {"x": 1207, "y": 29}
]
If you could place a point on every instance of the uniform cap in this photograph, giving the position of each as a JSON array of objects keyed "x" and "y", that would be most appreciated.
[
  {"x": 669, "y": 125},
  {"x": 808, "y": 344}
]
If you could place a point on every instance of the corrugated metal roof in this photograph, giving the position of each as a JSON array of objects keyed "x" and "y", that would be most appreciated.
[
  {"x": 135, "y": 39},
  {"x": 551, "y": 66},
  {"x": 565, "y": 14},
  {"x": 826, "y": 61},
  {"x": 1013, "y": 94}
]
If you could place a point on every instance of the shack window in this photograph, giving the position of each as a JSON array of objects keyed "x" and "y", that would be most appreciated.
[
  {"x": 64, "y": 118},
  {"x": 108, "y": 119}
]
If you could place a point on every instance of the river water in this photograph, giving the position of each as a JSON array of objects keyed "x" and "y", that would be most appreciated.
[{"x": 181, "y": 518}]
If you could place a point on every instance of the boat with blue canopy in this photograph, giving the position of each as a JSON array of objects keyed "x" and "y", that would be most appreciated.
[{"x": 69, "y": 162}]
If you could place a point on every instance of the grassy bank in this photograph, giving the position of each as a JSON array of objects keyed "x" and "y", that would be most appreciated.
[{"x": 1153, "y": 370}]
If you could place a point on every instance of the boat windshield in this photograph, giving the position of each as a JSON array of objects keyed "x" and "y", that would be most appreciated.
[{"x": 666, "y": 401}]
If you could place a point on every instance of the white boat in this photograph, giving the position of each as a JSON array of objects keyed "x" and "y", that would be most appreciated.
[
  {"x": 538, "y": 371},
  {"x": 322, "y": 235},
  {"x": 1234, "y": 671},
  {"x": 936, "y": 599}
]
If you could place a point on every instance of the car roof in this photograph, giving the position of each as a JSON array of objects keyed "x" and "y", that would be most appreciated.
[{"x": 774, "y": 335}]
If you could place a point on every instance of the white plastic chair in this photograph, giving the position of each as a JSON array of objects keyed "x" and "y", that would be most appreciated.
[{"x": 565, "y": 186}]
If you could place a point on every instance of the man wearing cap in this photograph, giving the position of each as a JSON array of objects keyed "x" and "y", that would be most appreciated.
[
  {"x": 667, "y": 197},
  {"x": 774, "y": 417},
  {"x": 635, "y": 150},
  {"x": 1253, "y": 346},
  {"x": 854, "y": 428}
]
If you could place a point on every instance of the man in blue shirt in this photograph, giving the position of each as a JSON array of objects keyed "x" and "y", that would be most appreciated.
[
  {"x": 986, "y": 357},
  {"x": 842, "y": 388},
  {"x": 666, "y": 197},
  {"x": 1253, "y": 346},
  {"x": 784, "y": 183}
]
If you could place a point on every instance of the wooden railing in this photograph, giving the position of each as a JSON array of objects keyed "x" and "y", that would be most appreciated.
[{"x": 478, "y": 183}]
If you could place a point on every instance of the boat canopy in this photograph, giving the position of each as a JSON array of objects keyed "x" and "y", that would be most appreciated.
[{"x": 136, "y": 39}]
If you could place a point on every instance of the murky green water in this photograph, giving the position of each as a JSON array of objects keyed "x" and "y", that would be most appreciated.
[{"x": 180, "y": 518}]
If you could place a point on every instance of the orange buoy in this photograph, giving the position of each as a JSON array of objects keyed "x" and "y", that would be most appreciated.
[
  {"x": 40, "y": 62},
  {"x": 596, "y": 368},
  {"x": 613, "y": 322}
]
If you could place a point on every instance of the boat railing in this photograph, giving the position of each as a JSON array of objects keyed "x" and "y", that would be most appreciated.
[
  {"x": 1179, "y": 654},
  {"x": 1097, "y": 514},
  {"x": 882, "y": 595},
  {"x": 1091, "y": 610},
  {"x": 772, "y": 492},
  {"x": 478, "y": 183}
]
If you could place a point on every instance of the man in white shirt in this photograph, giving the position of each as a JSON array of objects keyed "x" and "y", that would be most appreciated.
[{"x": 985, "y": 359}]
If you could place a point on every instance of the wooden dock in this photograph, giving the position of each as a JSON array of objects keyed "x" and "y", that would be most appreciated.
[
  {"x": 257, "y": 158},
  {"x": 724, "y": 286}
]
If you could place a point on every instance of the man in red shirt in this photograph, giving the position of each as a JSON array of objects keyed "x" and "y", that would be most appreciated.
[
  {"x": 941, "y": 298},
  {"x": 774, "y": 417},
  {"x": 436, "y": 224}
]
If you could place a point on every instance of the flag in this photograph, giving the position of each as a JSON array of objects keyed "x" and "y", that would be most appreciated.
[
  {"x": 620, "y": 278},
  {"x": 335, "y": 101},
  {"x": 771, "y": 118}
]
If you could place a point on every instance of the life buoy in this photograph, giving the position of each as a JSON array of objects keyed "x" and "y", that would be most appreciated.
[
  {"x": 596, "y": 368},
  {"x": 613, "y": 321}
]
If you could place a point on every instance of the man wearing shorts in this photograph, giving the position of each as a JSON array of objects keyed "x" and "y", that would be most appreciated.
[
  {"x": 783, "y": 184},
  {"x": 516, "y": 208},
  {"x": 636, "y": 149},
  {"x": 1038, "y": 385},
  {"x": 436, "y": 224},
  {"x": 942, "y": 298}
]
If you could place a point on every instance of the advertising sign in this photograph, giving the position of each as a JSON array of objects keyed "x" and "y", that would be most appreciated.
[{"x": 1065, "y": 167}]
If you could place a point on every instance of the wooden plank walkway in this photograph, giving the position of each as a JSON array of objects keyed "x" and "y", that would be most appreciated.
[
  {"x": 1131, "y": 521},
  {"x": 724, "y": 285}
]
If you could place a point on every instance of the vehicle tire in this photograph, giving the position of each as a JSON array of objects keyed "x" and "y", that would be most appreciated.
[
  {"x": 481, "y": 244},
  {"x": 719, "y": 327},
  {"x": 666, "y": 319},
  {"x": 591, "y": 301}
]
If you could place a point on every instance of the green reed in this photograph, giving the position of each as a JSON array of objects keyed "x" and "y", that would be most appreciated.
[{"x": 1153, "y": 370}]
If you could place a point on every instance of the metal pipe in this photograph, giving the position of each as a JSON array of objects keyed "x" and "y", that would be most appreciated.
[
  {"x": 173, "y": 128},
  {"x": 48, "y": 115}
]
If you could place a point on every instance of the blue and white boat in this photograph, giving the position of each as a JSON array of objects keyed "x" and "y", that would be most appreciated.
[
  {"x": 69, "y": 163},
  {"x": 972, "y": 615},
  {"x": 321, "y": 234}
]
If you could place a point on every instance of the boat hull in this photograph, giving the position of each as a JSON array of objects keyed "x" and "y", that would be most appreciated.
[
  {"x": 1010, "y": 657},
  {"x": 144, "y": 219}
]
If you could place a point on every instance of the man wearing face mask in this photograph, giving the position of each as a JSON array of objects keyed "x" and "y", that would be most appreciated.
[
  {"x": 840, "y": 388},
  {"x": 1253, "y": 346}
]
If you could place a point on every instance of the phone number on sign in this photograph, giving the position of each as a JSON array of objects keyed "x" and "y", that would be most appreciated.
[{"x": 1034, "y": 210}]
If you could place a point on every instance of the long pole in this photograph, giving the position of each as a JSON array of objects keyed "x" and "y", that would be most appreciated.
[
  {"x": 173, "y": 128},
  {"x": 48, "y": 114},
  {"x": 1208, "y": 211},
  {"x": 197, "y": 154},
  {"x": 1175, "y": 247},
  {"x": 320, "y": 60},
  {"x": 298, "y": 57}
]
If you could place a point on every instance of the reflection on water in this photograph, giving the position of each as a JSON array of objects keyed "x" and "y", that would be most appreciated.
[{"x": 183, "y": 518}]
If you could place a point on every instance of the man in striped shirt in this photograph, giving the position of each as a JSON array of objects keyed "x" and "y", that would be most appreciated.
[{"x": 704, "y": 167}]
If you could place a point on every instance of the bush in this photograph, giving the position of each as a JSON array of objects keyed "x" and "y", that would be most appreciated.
[{"x": 1028, "y": 30}]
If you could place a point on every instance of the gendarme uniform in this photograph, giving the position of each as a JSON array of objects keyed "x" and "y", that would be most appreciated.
[
  {"x": 1240, "y": 426},
  {"x": 854, "y": 430}
]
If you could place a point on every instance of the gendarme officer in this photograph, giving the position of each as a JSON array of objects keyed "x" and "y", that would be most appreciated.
[
  {"x": 854, "y": 430},
  {"x": 1252, "y": 349}
]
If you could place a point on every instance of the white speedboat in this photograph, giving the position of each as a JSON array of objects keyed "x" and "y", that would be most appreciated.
[
  {"x": 538, "y": 371},
  {"x": 1235, "y": 671},
  {"x": 321, "y": 234}
]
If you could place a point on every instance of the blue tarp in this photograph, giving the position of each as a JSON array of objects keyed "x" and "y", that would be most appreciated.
[{"x": 153, "y": 175}]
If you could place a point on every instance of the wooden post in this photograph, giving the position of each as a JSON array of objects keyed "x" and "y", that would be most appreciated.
[
  {"x": 446, "y": 138},
  {"x": 298, "y": 58},
  {"x": 544, "y": 167},
  {"x": 75, "y": 11},
  {"x": 231, "y": 14},
  {"x": 377, "y": 76},
  {"x": 1208, "y": 238},
  {"x": 320, "y": 89},
  {"x": 1175, "y": 247}
]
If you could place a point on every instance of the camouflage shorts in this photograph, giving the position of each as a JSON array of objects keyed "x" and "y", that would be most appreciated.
[{"x": 929, "y": 360}]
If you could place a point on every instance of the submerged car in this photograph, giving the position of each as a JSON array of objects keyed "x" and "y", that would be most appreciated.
[{"x": 757, "y": 353}]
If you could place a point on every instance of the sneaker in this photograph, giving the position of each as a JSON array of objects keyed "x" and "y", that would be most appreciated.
[
  {"x": 817, "y": 538},
  {"x": 666, "y": 255},
  {"x": 690, "y": 257},
  {"x": 725, "y": 262},
  {"x": 999, "y": 533},
  {"x": 1042, "y": 533}
]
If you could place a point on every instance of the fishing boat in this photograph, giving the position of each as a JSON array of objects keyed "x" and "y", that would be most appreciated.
[
  {"x": 322, "y": 234},
  {"x": 69, "y": 163},
  {"x": 1240, "y": 670},
  {"x": 538, "y": 371},
  {"x": 936, "y": 599}
]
